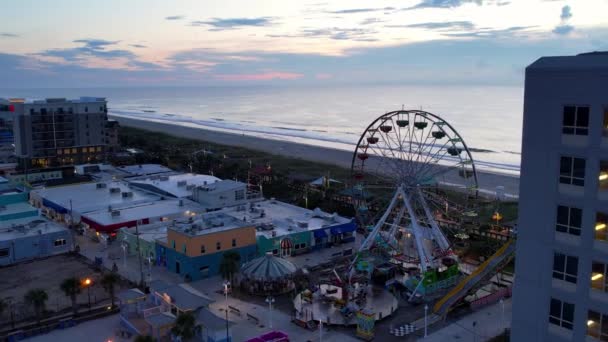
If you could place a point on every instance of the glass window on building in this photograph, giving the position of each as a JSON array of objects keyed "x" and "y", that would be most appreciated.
[
  {"x": 597, "y": 325},
  {"x": 233, "y": 242},
  {"x": 575, "y": 120},
  {"x": 601, "y": 226},
  {"x": 572, "y": 171},
  {"x": 202, "y": 249},
  {"x": 569, "y": 220},
  {"x": 4, "y": 252},
  {"x": 603, "y": 176},
  {"x": 239, "y": 195},
  {"x": 218, "y": 245},
  {"x": 60, "y": 242},
  {"x": 598, "y": 276},
  {"x": 565, "y": 267},
  {"x": 74, "y": 150},
  {"x": 561, "y": 313}
]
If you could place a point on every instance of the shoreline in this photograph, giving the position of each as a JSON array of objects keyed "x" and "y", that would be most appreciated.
[{"x": 488, "y": 181}]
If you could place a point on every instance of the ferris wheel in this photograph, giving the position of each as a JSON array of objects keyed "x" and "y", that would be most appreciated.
[{"x": 405, "y": 157}]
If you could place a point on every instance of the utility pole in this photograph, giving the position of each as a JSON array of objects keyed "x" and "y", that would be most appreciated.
[{"x": 141, "y": 271}]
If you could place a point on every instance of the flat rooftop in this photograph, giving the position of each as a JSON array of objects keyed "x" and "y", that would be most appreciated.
[
  {"x": 15, "y": 208},
  {"x": 178, "y": 185},
  {"x": 140, "y": 211},
  {"x": 144, "y": 169},
  {"x": 150, "y": 232},
  {"x": 584, "y": 61},
  {"x": 283, "y": 218},
  {"x": 29, "y": 226},
  {"x": 88, "y": 197},
  {"x": 208, "y": 223},
  {"x": 51, "y": 100}
]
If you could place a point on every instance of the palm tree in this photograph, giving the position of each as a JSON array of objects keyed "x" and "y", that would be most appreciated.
[
  {"x": 108, "y": 281},
  {"x": 71, "y": 288},
  {"x": 144, "y": 338},
  {"x": 230, "y": 264},
  {"x": 184, "y": 326},
  {"x": 37, "y": 298}
]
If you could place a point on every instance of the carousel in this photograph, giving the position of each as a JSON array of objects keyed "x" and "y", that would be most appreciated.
[{"x": 267, "y": 275}]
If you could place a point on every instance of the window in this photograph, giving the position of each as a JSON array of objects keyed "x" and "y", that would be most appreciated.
[
  {"x": 60, "y": 242},
  {"x": 218, "y": 245},
  {"x": 184, "y": 248},
  {"x": 597, "y": 325},
  {"x": 86, "y": 109},
  {"x": 239, "y": 195},
  {"x": 202, "y": 249},
  {"x": 565, "y": 267},
  {"x": 603, "y": 177},
  {"x": 74, "y": 150},
  {"x": 598, "y": 276},
  {"x": 173, "y": 244},
  {"x": 4, "y": 252},
  {"x": 569, "y": 220},
  {"x": 601, "y": 226},
  {"x": 572, "y": 171},
  {"x": 233, "y": 242},
  {"x": 576, "y": 120},
  {"x": 561, "y": 313}
]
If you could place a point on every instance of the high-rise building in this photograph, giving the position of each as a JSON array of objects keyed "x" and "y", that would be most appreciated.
[
  {"x": 7, "y": 148},
  {"x": 561, "y": 285},
  {"x": 56, "y": 132}
]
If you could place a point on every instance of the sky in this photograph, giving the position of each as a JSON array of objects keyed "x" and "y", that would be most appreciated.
[{"x": 98, "y": 43}]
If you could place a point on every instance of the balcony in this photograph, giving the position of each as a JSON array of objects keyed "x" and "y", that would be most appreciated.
[{"x": 603, "y": 181}]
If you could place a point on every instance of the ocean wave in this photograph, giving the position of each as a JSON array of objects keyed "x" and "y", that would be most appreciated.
[{"x": 344, "y": 139}]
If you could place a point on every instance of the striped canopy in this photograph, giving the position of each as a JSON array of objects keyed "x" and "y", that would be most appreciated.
[{"x": 268, "y": 267}]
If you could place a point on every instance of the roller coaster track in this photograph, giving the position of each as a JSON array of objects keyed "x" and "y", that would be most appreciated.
[{"x": 472, "y": 281}]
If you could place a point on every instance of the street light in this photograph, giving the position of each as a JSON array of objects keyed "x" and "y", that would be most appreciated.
[
  {"x": 226, "y": 284},
  {"x": 87, "y": 282},
  {"x": 426, "y": 309},
  {"x": 270, "y": 300}
]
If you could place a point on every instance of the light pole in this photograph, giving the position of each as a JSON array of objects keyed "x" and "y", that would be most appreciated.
[
  {"x": 270, "y": 300},
  {"x": 88, "y": 282},
  {"x": 426, "y": 309},
  {"x": 226, "y": 309},
  {"x": 502, "y": 307},
  {"x": 320, "y": 330}
]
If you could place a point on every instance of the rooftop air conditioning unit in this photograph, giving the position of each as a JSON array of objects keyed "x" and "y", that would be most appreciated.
[
  {"x": 189, "y": 186},
  {"x": 114, "y": 190},
  {"x": 181, "y": 183},
  {"x": 101, "y": 186},
  {"x": 195, "y": 226},
  {"x": 115, "y": 213},
  {"x": 127, "y": 194},
  {"x": 164, "y": 178}
]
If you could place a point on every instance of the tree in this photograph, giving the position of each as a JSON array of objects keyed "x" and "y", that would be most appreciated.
[
  {"x": 108, "y": 281},
  {"x": 37, "y": 298},
  {"x": 71, "y": 287},
  {"x": 230, "y": 264},
  {"x": 3, "y": 306},
  {"x": 144, "y": 338},
  {"x": 184, "y": 326}
]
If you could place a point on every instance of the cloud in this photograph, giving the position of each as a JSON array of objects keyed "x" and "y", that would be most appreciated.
[
  {"x": 489, "y": 33},
  {"x": 175, "y": 17},
  {"x": 369, "y": 21},
  {"x": 140, "y": 46},
  {"x": 564, "y": 28},
  {"x": 8, "y": 35},
  {"x": 442, "y": 4},
  {"x": 566, "y": 13},
  {"x": 462, "y": 25},
  {"x": 335, "y": 33},
  {"x": 231, "y": 23},
  {"x": 92, "y": 52},
  {"x": 361, "y": 10}
]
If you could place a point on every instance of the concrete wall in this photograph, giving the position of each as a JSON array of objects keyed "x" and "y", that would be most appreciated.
[
  {"x": 546, "y": 92},
  {"x": 191, "y": 245},
  {"x": 35, "y": 246}
]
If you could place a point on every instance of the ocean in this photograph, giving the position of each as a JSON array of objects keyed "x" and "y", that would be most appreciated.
[{"x": 489, "y": 118}]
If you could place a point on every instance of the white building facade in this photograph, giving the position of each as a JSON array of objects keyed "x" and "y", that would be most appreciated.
[{"x": 561, "y": 286}]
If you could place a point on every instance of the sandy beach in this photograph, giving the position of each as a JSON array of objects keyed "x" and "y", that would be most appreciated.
[{"x": 487, "y": 181}]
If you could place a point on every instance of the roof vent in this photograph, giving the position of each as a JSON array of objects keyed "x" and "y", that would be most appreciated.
[
  {"x": 101, "y": 185},
  {"x": 114, "y": 190},
  {"x": 115, "y": 213},
  {"x": 127, "y": 194},
  {"x": 181, "y": 183}
]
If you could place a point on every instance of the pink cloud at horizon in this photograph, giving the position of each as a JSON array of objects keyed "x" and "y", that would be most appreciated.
[{"x": 265, "y": 76}]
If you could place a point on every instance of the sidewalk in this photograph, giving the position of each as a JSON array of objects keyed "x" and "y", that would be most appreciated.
[{"x": 479, "y": 326}]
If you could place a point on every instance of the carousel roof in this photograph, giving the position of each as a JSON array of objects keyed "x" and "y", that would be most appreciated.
[{"x": 268, "y": 267}]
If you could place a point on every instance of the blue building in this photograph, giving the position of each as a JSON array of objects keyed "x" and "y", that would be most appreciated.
[{"x": 24, "y": 234}]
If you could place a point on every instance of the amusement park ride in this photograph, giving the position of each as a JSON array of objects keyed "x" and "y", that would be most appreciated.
[{"x": 416, "y": 164}]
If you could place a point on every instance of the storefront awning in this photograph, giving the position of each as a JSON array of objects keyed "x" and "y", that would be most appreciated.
[
  {"x": 52, "y": 205},
  {"x": 344, "y": 228},
  {"x": 320, "y": 234}
]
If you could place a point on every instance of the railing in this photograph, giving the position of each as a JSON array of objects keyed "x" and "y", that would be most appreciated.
[{"x": 152, "y": 311}]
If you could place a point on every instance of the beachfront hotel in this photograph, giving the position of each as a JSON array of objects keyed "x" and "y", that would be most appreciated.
[
  {"x": 561, "y": 287},
  {"x": 57, "y": 132}
]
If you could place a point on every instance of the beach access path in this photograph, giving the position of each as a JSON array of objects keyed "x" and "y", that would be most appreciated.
[{"x": 488, "y": 182}]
